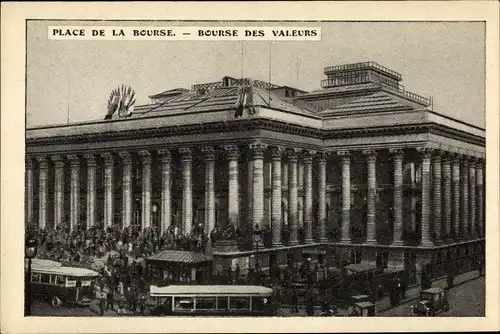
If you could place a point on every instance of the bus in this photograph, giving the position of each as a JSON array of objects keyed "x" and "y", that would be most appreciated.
[
  {"x": 211, "y": 300},
  {"x": 60, "y": 285}
]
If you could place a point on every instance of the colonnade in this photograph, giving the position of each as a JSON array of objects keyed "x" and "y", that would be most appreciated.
[{"x": 452, "y": 190}]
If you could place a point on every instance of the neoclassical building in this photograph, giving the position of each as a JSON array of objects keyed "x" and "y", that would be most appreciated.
[{"x": 360, "y": 167}]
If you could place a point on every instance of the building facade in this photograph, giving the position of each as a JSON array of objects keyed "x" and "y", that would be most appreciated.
[{"x": 361, "y": 167}]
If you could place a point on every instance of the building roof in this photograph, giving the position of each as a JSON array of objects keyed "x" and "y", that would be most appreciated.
[
  {"x": 373, "y": 102},
  {"x": 215, "y": 290},
  {"x": 218, "y": 98},
  {"x": 67, "y": 271},
  {"x": 179, "y": 257},
  {"x": 433, "y": 290},
  {"x": 360, "y": 267}
]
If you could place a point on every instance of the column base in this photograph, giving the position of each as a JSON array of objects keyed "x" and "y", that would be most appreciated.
[
  {"x": 345, "y": 240},
  {"x": 426, "y": 243},
  {"x": 277, "y": 244},
  {"x": 439, "y": 242},
  {"x": 294, "y": 243},
  {"x": 371, "y": 241},
  {"x": 226, "y": 246},
  {"x": 323, "y": 240},
  {"x": 398, "y": 243},
  {"x": 309, "y": 241}
]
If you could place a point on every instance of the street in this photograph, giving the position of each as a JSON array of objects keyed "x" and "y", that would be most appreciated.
[{"x": 466, "y": 300}]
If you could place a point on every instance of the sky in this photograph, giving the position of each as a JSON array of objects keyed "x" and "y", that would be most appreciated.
[{"x": 444, "y": 60}]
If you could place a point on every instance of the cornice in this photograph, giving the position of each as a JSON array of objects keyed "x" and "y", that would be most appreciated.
[{"x": 266, "y": 124}]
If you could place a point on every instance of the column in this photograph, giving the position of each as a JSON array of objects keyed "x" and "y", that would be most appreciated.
[
  {"x": 58, "y": 190},
  {"x": 209, "y": 153},
  {"x": 292, "y": 197},
  {"x": 300, "y": 193},
  {"x": 43, "y": 167},
  {"x": 233, "y": 186},
  {"x": 397, "y": 204},
  {"x": 455, "y": 177},
  {"x": 108, "y": 189},
  {"x": 446, "y": 164},
  {"x": 91, "y": 180},
  {"x": 29, "y": 190},
  {"x": 146, "y": 188},
  {"x": 322, "y": 196},
  {"x": 166, "y": 181},
  {"x": 425, "y": 197},
  {"x": 371, "y": 227},
  {"x": 126, "y": 188},
  {"x": 75, "y": 191},
  {"x": 480, "y": 197},
  {"x": 258, "y": 150},
  {"x": 436, "y": 171},
  {"x": 284, "y": 187},
  {"x": 465, "y": 198},
  {"x": 346, "y": 196},
  {"x": 276, "y": 196},
  {"x": 472, "y": 197},
  {"x": 187, "y": 190},
  {"x": 308, "y": 214}
]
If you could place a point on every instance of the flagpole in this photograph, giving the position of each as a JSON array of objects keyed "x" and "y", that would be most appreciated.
[
  {"x": 69, "y": 85},
  {"x": 270, "y": 62}
]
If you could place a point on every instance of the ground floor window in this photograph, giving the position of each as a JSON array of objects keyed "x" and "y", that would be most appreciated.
[
  {"x": 382, "y": 259},
  {"x": 356, "y": 256}
]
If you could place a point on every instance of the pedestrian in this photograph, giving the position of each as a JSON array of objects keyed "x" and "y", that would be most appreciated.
[
  {"x": 101, "y": 305},
  {"x": 295, "y": 302},
  {"x": 110, "y": 299}
]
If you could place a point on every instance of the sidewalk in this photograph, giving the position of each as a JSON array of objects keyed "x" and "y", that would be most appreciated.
[{"x": 413, "y": 292}]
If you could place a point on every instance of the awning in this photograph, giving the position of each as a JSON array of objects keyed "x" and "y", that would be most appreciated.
[
  {"x": 180, "y": 257},
  {"x": 360, "y": 267}
]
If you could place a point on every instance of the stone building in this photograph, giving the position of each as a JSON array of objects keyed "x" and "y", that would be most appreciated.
[{"x": 361, "y": 166}]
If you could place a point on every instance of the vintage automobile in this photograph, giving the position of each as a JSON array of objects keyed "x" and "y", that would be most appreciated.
[
  {"x": 362, "y": 309},
  {"x": 430, "y": 302}
]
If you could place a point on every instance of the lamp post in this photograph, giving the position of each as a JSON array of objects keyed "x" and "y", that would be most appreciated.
[
  {"x": 257, "y": 235},
  {"x": 30, "y": 249},
  {"x": 154, "y": 208}
]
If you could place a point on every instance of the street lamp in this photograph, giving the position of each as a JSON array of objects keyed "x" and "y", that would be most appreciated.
[
  {"x": 30, "y": 249},
  {"x": 257, "y": 236},
  {"x": 154, "y": 208}
]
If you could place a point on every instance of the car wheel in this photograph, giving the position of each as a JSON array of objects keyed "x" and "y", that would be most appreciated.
[
  {"x": 413, "y": 311},
  {"x": 56, "y": 302},
  {"x": 430, "y": 313}
]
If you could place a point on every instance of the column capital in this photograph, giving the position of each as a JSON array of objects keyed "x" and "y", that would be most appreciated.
[
  {"x": 28, "y": 161},
  {"x": 74, "y": 160},
  {"x": 58, "y": 161},
  {"x": 126, "y": 157},
  {"x": 397, "y": 153},
  {"x": 145, "y": 156},
  {"x": 291, "y": 154},
  {"x": 425, "y": 152},
  {"x": 343, "y": 153},
  {"x": 90, "y": 159},
  {"x": 186, "y": 154},
  {"x": 108, "y": 159},
  {"x": 369, "y": 153},
  {"x": 208, "y": 152},
  {"x": 321, "y": 156},
  {"x": 232, "y": 152},
  {"x": 258, "y": 148},
  {"x": 307, "y": 156},
  {"x": 277, "y": 152},
  {"x": 165, "y": 155}
]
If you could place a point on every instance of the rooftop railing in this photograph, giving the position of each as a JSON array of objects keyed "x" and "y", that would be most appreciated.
[
  {"x": 234, "y": 82},
  {"x": 374, "y": 78},
  {"x": 367, "y": 64}
]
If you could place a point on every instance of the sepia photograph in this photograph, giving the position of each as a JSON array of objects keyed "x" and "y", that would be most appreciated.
[{"x": 272, "y": 169}]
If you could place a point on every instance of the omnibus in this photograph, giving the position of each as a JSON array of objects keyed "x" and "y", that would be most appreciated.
[
  {"x": 211, "y": 300},
  {"x": 60, "y": 285}
]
